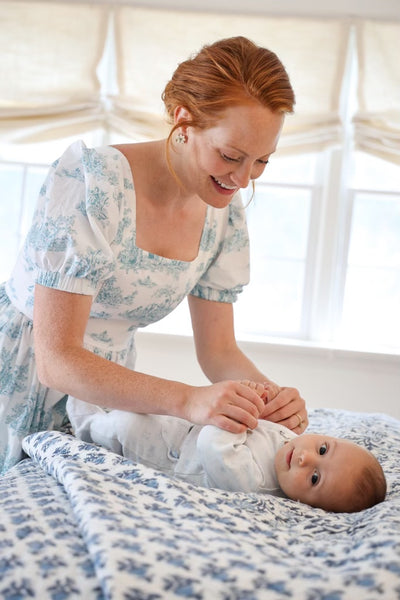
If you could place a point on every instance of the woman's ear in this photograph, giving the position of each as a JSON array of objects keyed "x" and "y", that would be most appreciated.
[{"x": 181, "y": 114}]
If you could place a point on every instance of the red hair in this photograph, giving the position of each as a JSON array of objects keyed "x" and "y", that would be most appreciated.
[{"x": 230, "y": 72}]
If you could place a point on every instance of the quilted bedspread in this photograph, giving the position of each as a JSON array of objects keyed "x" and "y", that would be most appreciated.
[{"x": 77, "y": 521}]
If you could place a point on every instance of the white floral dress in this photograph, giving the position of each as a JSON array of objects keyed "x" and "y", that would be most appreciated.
[{"x": 82, "y": 240}]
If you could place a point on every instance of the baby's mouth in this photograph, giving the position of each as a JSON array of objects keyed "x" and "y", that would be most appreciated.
[{"x": 289, "y": 457}]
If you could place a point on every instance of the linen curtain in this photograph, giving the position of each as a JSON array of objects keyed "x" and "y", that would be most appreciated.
[
  {"x": 151, "y": 43},
  {"x": 377, "y": 121},
  {"x": 50, "y": 54}
]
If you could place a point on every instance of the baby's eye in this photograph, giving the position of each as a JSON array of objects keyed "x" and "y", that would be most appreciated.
[
  {"x": 323, "y": 450},
  {"x": 229, "y": 158},
  {"x": 314, "y": 478}
]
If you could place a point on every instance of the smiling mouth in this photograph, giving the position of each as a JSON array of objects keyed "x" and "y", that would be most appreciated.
[{"x": 224, "y": 186}]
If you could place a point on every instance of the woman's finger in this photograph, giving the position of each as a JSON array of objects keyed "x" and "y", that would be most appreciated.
[
  {"x": 287, "y": 408},
  {"x": 240, "y": 415},
  {"x": 287, "y": 402},
  {"x": 252, "y": 395}
]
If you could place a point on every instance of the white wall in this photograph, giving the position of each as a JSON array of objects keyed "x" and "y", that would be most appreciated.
[
  {"x": 326, "y": 378},
  {"x": 375, "y": 9}
]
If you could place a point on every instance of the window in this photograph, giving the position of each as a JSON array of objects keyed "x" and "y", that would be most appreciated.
[
  {"x": 324, "y": 269},
  {"x": 20, "y": 184},
  {"x": 371, "y": 290},
  {"x": 324, "y": 228},
  {"x": 279, "y": 221}
]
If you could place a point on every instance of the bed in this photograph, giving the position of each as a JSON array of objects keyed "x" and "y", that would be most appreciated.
[{"x": 78, "y": 521}]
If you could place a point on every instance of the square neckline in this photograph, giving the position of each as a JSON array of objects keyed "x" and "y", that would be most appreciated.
[{"x": 142, "y": 250}]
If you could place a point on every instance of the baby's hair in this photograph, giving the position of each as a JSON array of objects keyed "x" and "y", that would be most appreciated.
[
  {"x": 370, "y": 486},
  {"x": 229, "y": 72}
]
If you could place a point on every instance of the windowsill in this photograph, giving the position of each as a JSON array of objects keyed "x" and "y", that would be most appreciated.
[
  {"x": 303, "y": 347},
  {"x": 321, "y": 348}
]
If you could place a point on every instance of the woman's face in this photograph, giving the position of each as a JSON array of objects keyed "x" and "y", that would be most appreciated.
[{"x": 218, "y": 161}]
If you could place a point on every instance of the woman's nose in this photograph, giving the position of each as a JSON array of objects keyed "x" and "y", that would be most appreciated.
[{"x": 241, "y": 176}]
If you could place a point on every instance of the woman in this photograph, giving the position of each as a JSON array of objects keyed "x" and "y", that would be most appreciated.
[{"x": 122, "y": 234}]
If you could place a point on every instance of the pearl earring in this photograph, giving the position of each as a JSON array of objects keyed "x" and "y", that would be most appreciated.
[{"x": 181, "y": 138}]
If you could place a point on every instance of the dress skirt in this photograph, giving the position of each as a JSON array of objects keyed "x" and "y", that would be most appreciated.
[{"x": 26, "y": 406}]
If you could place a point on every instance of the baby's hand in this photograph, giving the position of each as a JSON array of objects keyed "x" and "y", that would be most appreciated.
[{"x": 271, "y": 390}]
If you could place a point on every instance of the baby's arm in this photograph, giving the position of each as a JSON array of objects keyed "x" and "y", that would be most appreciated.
[{"x": 227, "y": 460}]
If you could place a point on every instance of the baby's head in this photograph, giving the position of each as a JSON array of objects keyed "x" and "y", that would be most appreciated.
[{"x": 330, "y": 473}]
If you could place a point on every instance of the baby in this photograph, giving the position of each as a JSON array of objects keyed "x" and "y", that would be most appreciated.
[{"x": 330, "y": 473}]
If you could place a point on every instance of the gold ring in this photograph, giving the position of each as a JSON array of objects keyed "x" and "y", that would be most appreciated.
[{"x": 300, "y": 419}]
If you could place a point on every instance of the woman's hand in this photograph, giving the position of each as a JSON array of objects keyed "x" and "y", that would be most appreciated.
[
  {"x": 230, "y": 405},
  {"x": 285, "y": 406},
  {"x": 220, "y": 358}
]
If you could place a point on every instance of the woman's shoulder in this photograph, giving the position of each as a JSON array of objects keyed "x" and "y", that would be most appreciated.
[
  {"x": 98, "y": 164},
  {"x": 78, "y": 151}
]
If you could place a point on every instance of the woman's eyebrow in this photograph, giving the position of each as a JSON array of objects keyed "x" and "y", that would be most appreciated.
[
  {"x": 263, "y": 156},
  {"x": 232, "y": 147}
]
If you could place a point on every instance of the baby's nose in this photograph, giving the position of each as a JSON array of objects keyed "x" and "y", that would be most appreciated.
[{"x": 304, "y": 458}]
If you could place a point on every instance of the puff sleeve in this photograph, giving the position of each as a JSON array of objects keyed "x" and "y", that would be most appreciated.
[
  {"x": 228, "y": 270},
  {"x": 69, "y": 243}
]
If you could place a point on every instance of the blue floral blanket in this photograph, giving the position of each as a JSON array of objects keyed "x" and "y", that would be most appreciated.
[{"x": 78, "y": 521}]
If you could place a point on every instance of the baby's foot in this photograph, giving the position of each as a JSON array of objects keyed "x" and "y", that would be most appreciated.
[
  {"x": 271, "y": 390},
  {"x": 257, "y": 387}
]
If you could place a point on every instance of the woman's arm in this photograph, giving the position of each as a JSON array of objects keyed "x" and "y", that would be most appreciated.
[
  {"x": 221, "y": 359},
  {"x": 60, "y": 320}
]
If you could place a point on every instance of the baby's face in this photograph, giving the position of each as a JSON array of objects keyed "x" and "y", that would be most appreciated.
[{"x": 319, "y": 470}]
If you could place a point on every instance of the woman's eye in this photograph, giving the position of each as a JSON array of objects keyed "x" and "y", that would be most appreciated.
[
  {"x": 230, "y": 158},
  {"x": 314, "y": 478},
  {"x": 263, "y": 162},
  {"x": 323, "y": 450}
]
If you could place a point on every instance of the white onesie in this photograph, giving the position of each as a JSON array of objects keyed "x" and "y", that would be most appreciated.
[{"x": 203, "y": 455}]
